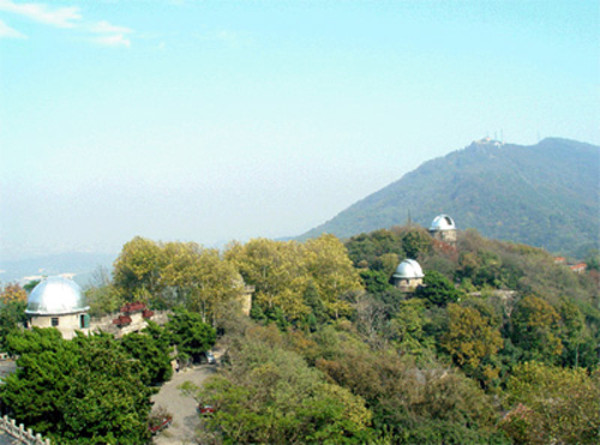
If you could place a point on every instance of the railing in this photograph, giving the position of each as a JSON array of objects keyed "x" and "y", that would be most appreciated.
[{"x": 25, "y": 436}]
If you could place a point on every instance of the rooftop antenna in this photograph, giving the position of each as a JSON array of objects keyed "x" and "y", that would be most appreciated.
[{"x": 409, "y": 219}]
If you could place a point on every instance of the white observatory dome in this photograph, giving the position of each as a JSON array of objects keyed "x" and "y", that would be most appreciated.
[
  {"x": 408, "y": 269},
  {"x": 442, "y": 222},
  {"x": 56, "y": 296}
]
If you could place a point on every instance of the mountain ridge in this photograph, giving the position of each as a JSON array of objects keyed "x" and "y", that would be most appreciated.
[{"x": 545, "y": 195}]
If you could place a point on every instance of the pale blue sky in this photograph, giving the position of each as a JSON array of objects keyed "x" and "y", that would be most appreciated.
[{"x": 211, "y": 121}]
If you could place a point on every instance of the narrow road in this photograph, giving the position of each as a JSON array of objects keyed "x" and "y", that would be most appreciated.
[{"x": 183, "y": 409}]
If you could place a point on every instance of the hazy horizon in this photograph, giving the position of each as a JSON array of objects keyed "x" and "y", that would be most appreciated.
[{"x": 213, "y": 121}]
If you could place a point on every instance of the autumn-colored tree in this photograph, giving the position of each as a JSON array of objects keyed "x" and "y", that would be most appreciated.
[
  {"x": 277, "y": 270},
  {"x": 200, "y": 279},
  {"x": 472, "y": 343},
  {"x": 331, "y": 270},
  {"x": 13, "y": 293},
  {"x": 137, "y": 269}
]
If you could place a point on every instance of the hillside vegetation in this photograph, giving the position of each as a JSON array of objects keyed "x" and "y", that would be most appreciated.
[
  {"x": 499, "y": 345},
  {"x": 545, "y": 195}
]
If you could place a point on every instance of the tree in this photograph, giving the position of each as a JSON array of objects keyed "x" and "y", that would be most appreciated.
[
  {"x": 13, "y": 293},
  {"x": 552, "y": 405},
  {"x": 407, "y": 328},
  {"x": 415, "y": 240},
  {"x": 12, "y": 315},
  {"x": 137, "y": 269},
  {"x": 151, "y": 354},
  {"x": 270, "y": 395},
  {"x": 437, "y": 289},
  {"x": 472, "y": 343},
  {"x": 190, "y": 334},
  {"x": 332, "y": 272},
  {"x": 203, "y": 281},
  {"x": 277, "y": 270},
  {"x": 83, "y": 391},
  {"x": 534, "y": 328},
  {"x": 578, "y": 344}
]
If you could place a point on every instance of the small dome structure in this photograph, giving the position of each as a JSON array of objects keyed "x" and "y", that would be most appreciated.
[
  {"x": 408, "y": 269},
  {"x": 442, "y": 222},
  {"x": 56, "y": 296},
  {"x": 408, "y": 275}
]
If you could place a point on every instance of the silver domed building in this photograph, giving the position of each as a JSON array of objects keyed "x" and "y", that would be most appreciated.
[
  {"x": 443, "y": 229},
  {"x": 408, "y": 275},
  {"x": 58, "y": 302}
]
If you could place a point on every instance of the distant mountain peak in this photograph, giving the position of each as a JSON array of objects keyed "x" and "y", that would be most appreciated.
[
  {"x": 545, "y": 195},
  {"x": 487, "y": 141}
]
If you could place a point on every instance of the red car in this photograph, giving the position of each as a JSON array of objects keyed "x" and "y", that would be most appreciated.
[
  {"x": 164, "y": 423},
  {"x": 206, "y": 409}
]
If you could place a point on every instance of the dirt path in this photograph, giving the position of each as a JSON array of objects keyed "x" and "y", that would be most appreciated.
[{"x": 183, "y": 409}]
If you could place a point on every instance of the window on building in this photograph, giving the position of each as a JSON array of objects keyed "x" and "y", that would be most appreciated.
[{"x": 54, "y": 321}]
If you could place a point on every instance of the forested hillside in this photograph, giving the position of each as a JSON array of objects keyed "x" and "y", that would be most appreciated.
[
  {"x": 498, "y": 346},
  {"x": 544, "y": 195}
]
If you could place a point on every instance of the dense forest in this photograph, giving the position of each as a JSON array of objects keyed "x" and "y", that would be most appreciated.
[{"x": 499, "y": 345}]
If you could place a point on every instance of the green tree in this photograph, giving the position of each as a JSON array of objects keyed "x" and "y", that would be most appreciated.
[
  {"x": 83, "y": 391},
  {"x": 152, "y": 356},
  {"x": 12, "y": 316},
  {"x": 553, "y": 405},
  {"x": 416, "y": 240},
  {"x": 437, "y": 289},
  {"x": 190, "y": 334},
  {"x": 535, "y": 329},
  {"x": 270, "y": 395},
  {"x": 406, "y": 328}
]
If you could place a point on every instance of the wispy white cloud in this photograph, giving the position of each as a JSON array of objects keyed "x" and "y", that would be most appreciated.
[
  {"x": 103, "y": 27},
  {"x": 62, "y": 17},
  {"x": 9, "y": 33},
  {"x": 113, "y": 40},
  {"x": 65, "y": 17}
]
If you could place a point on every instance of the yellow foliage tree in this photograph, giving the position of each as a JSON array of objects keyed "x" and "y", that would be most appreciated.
[
  {"x": 472, "y": 342},
  {"x": 13, "y": 293}
]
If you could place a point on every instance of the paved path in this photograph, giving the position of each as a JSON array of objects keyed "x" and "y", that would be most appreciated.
[{"x": 183, "y": 409}]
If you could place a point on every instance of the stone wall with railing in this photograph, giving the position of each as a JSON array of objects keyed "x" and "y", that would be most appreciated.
[{"x": 24, "y": 435}]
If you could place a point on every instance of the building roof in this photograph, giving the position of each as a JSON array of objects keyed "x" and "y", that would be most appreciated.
[
  {"x": 408, "y": 269},
  {"x": 56, "y": 296},
  {"x": 442, "y": 222}
]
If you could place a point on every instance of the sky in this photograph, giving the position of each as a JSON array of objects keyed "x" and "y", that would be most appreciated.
[{"x": 210, "y": 121}]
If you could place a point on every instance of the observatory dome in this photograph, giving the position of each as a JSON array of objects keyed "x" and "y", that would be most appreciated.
[
  {"x": 442, "y": 222},
  {"x": 56, "y": 296},
  {"x": 408, "y": 269}
]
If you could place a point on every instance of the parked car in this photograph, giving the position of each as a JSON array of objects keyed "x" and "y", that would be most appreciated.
[
  {"x": 210, "y": 358},
  {"x": 160, "y": 424},
  {"x": 205, "y": 409}
]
